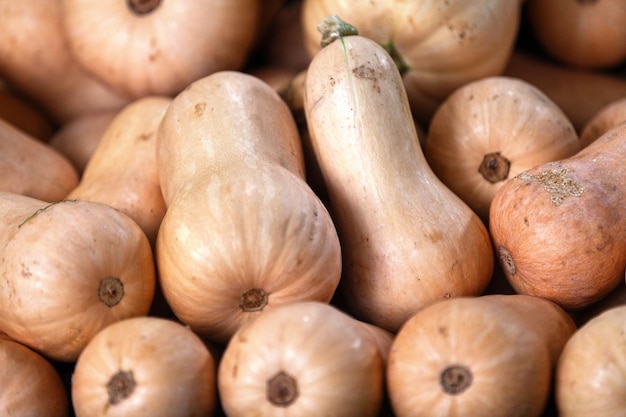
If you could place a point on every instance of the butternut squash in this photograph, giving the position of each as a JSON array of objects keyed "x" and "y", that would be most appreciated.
[
  {"x": 145, "y": 366},
  {"x": 578, "y": 92},
  {"x": 31, "y": 386},
  {"x": 78, "y": 138},
  {"x": 604, "y": 120},
  {"x": 36, "y": 60},
  {"x": 301, "y": 359},
  {"x": 558, "y": 228},
  {"x": 33, "y": 168},
  {"x": 438, "y": 45},
  {"x": 591, "y": 372},
  {"x": 581, "y": 33},
  {"x": 407, "y": 240},
  {"x": 69, "y": 269},
  {"x": 492, "y": 129},
  {"x": 492, "y": 355},
  {"x": 122, "y": 172},
  {"x": 158, "y": 47},
  {"x": 243, "y": 231}
]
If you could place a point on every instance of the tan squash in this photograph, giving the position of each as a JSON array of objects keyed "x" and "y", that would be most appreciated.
[
  {"x": 492, "y": 355},
  {"x": 580, "y": 33},
  {"x": 492, "y": 129},
  {"x": 24, "y": 115},
  {"x": 32, "y": 167},
  {"x": 122, "y": 172},
  {"x": 145, "y": 366},
  {"x": 604, "y": 120},
  {"x": 407, "y": 240},
  {"x": 438, "y": 45},
  {"x": 301, "y": 359},
  {"x": 78, "y": 138},
  {"x": 36, "y": 60},
  {"x": 579, "y": 93},
  {"x": 243, "y": 231},
  {"x": 31, "y": 386},
  {"x": 158, "y": 47},
  {"x": 69, "y": 269},
  {"x": 558, "y": 228},
  {"x": 591, "y": 373}
]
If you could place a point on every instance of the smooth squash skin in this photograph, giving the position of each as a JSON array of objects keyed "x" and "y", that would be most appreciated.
[
  {"x": 492, "y": 129},
  {"x": 158, "y": 47},
  {"x": 492, "y": 355},
  {"x": 407, "y": 240},
  {"x": 559, "y": 228},
  {"x": 36, "y": 60},
  {"x": 591, "y": 373},
  {"x": 78, "y": 138},
  {"x": 578, "y": 92},
  {"x": 145, "y": 366},
  {"x": 438, "y": 45},
  {"x": 303, "y": 359},
  {"x": 243, "y": 231},
  {"x": 33, "y": 168},
  {"x": 31, "y": 386},
  {"x": 604, "y": 120},
  {"x": 580, "y": 33},
  {"x": 122, "y": 171},
  {"x": 69, "y": 269}
]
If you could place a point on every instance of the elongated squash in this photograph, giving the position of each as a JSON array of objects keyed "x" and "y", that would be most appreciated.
[
  {"x": 407, "y": 240},
  {"x": 122, "y": 172},
  {"x": 243, "y": 230}
]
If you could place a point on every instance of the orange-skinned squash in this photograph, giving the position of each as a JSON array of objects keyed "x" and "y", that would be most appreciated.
[
  {"x": 302, "y": 359},
  {"x": 145, "y": 366},
  {"x": 122, "y": 171},
  {"x": 492, "y": 355},
  {"x": 243, "y": 230},
  {"x": 492, "y": 129},
  {"x": 591, "y": 372},
  {"x": 407, "y": 240},
  {"x": 158, "y": 47},
  {"x": 31, "y": 386},
  {"x": 558, "y": 228},
  {"x": 32, "y": 167},
  {"x": 69, "y": 269},
  {"x": 438, "y": 45}
]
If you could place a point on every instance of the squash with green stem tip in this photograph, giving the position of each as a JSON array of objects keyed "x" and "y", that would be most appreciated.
[{"x": 407, "y": 239}]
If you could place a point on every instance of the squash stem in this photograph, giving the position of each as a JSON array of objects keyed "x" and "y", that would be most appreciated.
[
  {"x": 254, "y": 299},
  {"x": 111, "y": 291},
  {"x": 494, "y": 167},
  {"x": 143, "y": 7},
  {"x": 455, "y": 379},
  {"x": 282, "y": 389},
  {"x": 333, "y": 28}
]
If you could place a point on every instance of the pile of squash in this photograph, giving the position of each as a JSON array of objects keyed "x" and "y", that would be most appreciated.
[{"x": 312, "y": 208}]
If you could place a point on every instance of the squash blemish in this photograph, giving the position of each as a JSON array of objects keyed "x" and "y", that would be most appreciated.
[
  {"x": 556, "y": 183},
  {"x": 282, "y": 389},
  {"x": 120, "y": 387},
  {"x": 254, "y": 299},
  {"x": 507, "y": 260},
  {"x": 455, "y": 379},
  {"x": 111, "y": 291}
]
